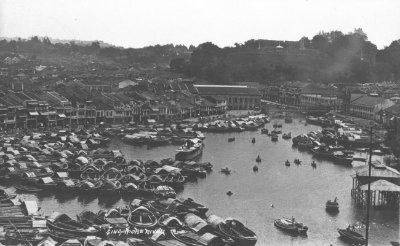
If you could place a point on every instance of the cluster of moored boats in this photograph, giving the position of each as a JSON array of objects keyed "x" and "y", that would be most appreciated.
[
  {"x": 151, "y": 222},
  {"x": 325, "y": 144},
  {"x": 161, "y": 137},
  {"x": 251, "y": 123},
  {"x": 62, "y": 162}
]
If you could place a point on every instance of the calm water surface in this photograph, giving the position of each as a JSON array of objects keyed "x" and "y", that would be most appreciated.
[{"x": 298, "y": 191}]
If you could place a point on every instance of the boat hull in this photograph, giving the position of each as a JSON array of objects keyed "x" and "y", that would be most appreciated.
[
  {"x": 189, "y": 155},
  {"x": 351, "y": 236}
]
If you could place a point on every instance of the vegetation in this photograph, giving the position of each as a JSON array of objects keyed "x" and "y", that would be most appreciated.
[
  {"x": 71, "y": 52},
  {"x": 327, "y": 57}
]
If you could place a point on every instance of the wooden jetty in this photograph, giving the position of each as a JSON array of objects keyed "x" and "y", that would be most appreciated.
[{"x": 385, "y": 186}]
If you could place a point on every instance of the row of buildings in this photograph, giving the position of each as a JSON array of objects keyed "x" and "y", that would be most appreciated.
[{"x": 74, "y": 104}]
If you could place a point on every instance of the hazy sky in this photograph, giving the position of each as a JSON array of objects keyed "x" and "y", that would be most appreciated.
[{"x": 137, "y": 23}]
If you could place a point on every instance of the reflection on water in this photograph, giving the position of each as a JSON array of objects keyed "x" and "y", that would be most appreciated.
[{"x": 298, "y": 190}]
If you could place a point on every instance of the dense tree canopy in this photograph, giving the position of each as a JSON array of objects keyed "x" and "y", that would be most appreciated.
[{"x": 327, "y": 57}]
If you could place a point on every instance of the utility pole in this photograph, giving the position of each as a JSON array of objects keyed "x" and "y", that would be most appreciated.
[{"x": 369, "y": 187}]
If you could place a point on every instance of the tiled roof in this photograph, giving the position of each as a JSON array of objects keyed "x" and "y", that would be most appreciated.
[
  {"x": 395, "y": 109},
  {"x": 226, "y": 90},
  {"x": 366, "y": 100}
]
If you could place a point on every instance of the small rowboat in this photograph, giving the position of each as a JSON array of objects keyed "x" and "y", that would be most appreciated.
[
  {"x": 25, "y": 188},
  {"x": 332, "y": 205}
]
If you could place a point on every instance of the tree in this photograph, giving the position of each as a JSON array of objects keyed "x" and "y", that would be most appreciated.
[
  {"x": 35, "y": 39},
  {"x": 177, "y": 65},
  {"x": 320, "y": 42}
]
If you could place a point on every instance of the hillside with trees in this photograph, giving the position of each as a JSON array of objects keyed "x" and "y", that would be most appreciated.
[
  {"x": 328, "y": 57},
  {"x": 65, "y": 53}
]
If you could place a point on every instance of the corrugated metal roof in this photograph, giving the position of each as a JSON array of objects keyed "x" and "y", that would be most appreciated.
[
  {"x": 381, "y": 185},
  {"x": 385, "y": 172}
]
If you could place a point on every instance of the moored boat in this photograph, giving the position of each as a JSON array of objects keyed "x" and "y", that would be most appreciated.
[
  {"x": 291, "y": 226},
  {"x": 234, "y": 229},
  {"x": 350, "y": 235},
  {"x": 287, "y": 135},
  {"x": 343, "y": 157},
  {"x": 190, "y": 150},
  {"x": 142, "y": 217}
]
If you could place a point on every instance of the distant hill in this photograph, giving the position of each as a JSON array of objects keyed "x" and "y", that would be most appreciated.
[
  {"x": 67, "y": 52},
  {"x": 66, "y": 41},
  {"x": 328, "y": 58}
]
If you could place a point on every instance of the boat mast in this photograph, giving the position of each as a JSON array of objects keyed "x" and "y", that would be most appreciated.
[{"x": 369, "y": 187}]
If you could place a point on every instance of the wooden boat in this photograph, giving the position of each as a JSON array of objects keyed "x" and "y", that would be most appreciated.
[
  {"x": 129, "y": 189},
  {"x": 63, "y": 223},
  {"x": 274, "y": 137},
  {"x": 164, "y": 191},
  {"x": 287, "y": 163},
  {"x": 145, "y": 188},
  {"x": 332, "y": 205},
  {"x": 4, "y": 196},
  {"x": 234, "y": 229},
  {"x": 253, "y": 140},
  {"x": 175, "y": 180},
  {"x": 314, "y": 164},
  {"x": 67, "y": 185},
  {"x": 191, "y": 205},
  {"x": 193, "y": 239},
  {"x": 226, "y": 171},
  {"x": 276, "y": 132},
  {"x": 32, "y": 236},
  {"x": 190, "y": 150},
  {"x": 46, "y": 183},
  {"x": 89, "y": 218},
  {"x": 169, "y": 221},
  {"x": 288, "y": 119},
  {"x": 142, "y": 217},
  {"x": 258, "y": 159},
  {"x": 255, "y": 168},
  {"x": 343, "y": 158},
  {"x": 92, "y": 241},
  {"x": 124, "y": 211},
  {"x": 322, "y": 152},
  {"x": 90, "y": 173},
  {"x": 26, "y": 188},
  {"x": 287, "y": 135},
  {"x": 350, "y": 235},
  {"x": 112, "y": 174},
  {"x": 291, "y": 226},
  {"x": 110, "y": 187},
  {"x": 64, "y": 236},
  {"x": 231, "y": 139},
  {"x": 72, "y": 242},
  {"x": 87, "y": 187}
]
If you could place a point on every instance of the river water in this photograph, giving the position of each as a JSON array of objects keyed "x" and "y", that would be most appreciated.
[{"x": 298, "y": 191}]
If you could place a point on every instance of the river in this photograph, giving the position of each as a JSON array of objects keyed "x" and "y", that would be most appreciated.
[{"x": 298, "y": 191}]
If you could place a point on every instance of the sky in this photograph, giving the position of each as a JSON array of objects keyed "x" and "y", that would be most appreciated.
[{"x": 138, "y": 23}]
